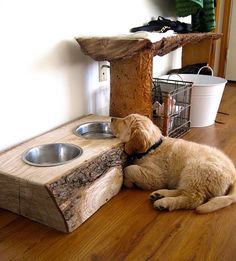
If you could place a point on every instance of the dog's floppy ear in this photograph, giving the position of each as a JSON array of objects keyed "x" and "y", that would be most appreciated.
[{"x": 138, "y": 143}]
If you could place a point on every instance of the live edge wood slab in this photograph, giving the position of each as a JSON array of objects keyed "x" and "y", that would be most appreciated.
[
  {"x": 63, "y": 196},
  {"x": 131, "y": 66}
]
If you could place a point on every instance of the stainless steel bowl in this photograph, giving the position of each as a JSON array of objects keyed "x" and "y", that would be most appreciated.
[
  {"x": 94, "y": 130},
  {"x": 53, "y": 154}
]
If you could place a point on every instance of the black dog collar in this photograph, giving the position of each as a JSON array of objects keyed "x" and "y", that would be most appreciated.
[{"x": 153, "y": 147}]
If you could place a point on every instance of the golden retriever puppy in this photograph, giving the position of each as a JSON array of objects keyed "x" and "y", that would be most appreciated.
[{"x": 184, "y": 175}]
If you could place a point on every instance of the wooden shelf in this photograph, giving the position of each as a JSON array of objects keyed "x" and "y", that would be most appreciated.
[
  {"x": 131, "y": 63},
  {"x": 113, "y": 48}
]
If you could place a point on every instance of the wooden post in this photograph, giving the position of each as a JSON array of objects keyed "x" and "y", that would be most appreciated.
[{"x": 131, "y": 85}]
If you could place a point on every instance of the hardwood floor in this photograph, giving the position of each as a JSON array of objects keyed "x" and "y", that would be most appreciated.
[{"x": 128, "y": 228}]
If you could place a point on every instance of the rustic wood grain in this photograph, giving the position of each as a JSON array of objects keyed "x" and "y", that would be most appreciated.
[
  {"x": 171, "y": 43},
  {"x": 113, "y": 48},
  {"x": 88, "y": 199},
  {"x": 54, "y": 195},
  {"x": 9, "y": 193},
  {"x": 101, "y": 49},
  {"x": 131, "y": 85}
]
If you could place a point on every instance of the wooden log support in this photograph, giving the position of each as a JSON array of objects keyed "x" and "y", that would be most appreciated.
[
  {"x": 131, "y": 81},
  {"x": 63, "y": 196}
]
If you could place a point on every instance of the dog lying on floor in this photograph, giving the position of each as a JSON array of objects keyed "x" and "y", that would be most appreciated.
[{"x": 184, "y": 175}]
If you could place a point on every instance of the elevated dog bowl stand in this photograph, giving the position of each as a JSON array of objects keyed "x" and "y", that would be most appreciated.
[
  {"x": 131, "y": 62},
  {"x": 63, "y": 196}
]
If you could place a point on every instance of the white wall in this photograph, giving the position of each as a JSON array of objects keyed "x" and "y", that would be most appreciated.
[{"x": 45, "y": 79}]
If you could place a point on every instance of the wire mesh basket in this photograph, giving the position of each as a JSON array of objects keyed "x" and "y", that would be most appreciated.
[{"x": 171, "y": 106}]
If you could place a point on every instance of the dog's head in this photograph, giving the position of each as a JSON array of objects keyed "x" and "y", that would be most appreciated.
[{"x": 137, "y": 131}]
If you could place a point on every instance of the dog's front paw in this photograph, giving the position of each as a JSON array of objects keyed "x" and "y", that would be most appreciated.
[
  {"x": 155, "y": 196},
  {"x": 161, "y": 205},
  {"x": 160, "y": 208}
]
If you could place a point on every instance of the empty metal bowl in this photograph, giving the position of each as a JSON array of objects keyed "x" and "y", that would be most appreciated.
[
  {"x": 53, "y": 154},
  {"x": 94, "y": 130}
]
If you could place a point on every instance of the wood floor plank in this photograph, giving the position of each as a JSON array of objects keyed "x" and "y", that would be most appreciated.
[
  {"x": 6, "y": 218},
  {"x": 128, "y": 228}
]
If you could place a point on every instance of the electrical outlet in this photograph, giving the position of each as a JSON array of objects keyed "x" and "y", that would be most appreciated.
[{"x": 103, "y": 68}]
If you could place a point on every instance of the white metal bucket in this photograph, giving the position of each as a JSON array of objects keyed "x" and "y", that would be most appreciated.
[{"x": 207, "y": 92}]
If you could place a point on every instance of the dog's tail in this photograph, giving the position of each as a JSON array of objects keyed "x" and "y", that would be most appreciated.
[{"x": 218, "y": 202}]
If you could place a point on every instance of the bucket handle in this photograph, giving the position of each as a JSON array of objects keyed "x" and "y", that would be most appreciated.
[
  {"x": 177, "y": 75},
  {"x": 174, "y": 74},
  {"x": 206, "y": 66}
]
